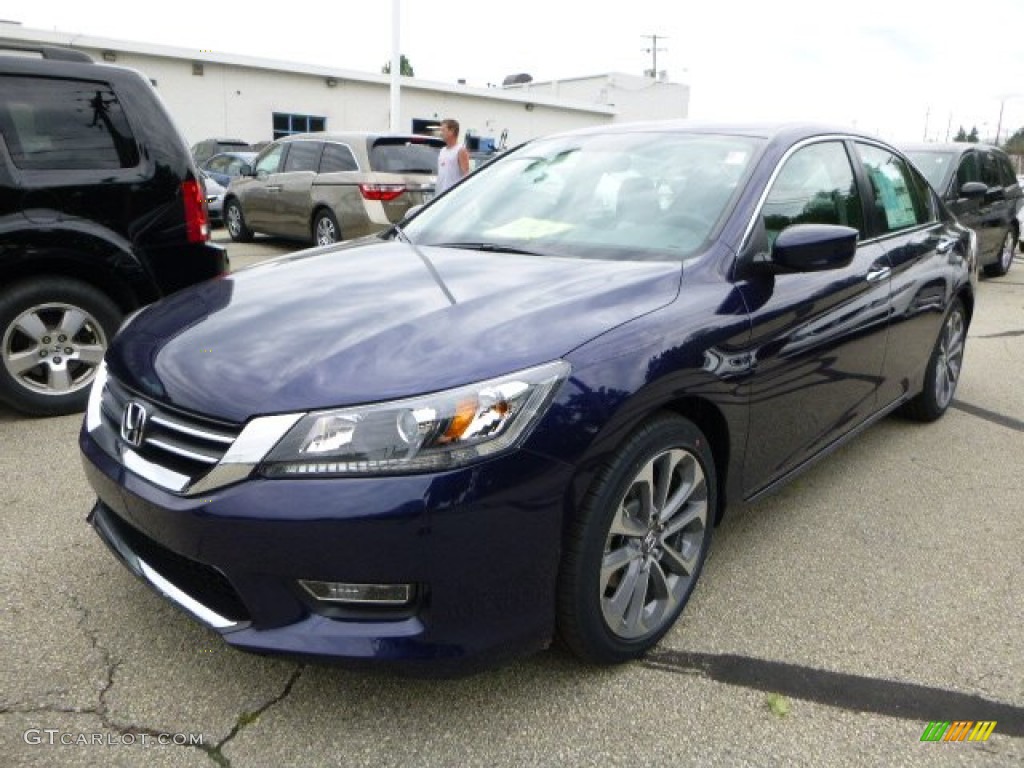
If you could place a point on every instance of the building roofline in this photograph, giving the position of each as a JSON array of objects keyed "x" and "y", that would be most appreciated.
[{"x": 18, "y": 33}]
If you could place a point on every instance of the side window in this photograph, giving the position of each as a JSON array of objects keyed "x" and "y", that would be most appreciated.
[
  {"x": 900, "y": 196},
  {"x": 815, "y": 186},
  {"x": 65, "y": 125},
  {"x": 270, "y": 160},
  {"x": 968, "y": 170},
  {"x": 337, "y": 157},
  {"x": 303, "y": 156},
  {"x": 990, "y": 174},
  {"x": 1006, "y": 172},
  {"x": 219, "y": 164}
]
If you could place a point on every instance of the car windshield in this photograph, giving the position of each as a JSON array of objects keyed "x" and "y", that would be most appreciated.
[
  {"x": 936, "y": 166},
  {"x": 645, "y": 195},
  {"x": 404, "y": 156}
]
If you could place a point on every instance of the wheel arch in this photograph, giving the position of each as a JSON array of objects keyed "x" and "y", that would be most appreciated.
[{"x": 86, "y": 268}]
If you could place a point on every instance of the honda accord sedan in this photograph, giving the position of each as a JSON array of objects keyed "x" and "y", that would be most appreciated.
[{"x": 520, "y": 413}]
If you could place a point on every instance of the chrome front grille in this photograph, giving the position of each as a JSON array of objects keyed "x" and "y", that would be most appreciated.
[{"x": 183, "y": 443}]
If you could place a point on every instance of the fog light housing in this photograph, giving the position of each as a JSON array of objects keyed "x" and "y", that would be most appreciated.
[{"x": 343, "y": 593}]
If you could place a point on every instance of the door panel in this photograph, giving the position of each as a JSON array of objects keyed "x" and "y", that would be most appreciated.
[{"x": 819, "y": 337}]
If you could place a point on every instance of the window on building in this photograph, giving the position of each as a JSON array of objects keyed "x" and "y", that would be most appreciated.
[{"x": 286, "y": 124}]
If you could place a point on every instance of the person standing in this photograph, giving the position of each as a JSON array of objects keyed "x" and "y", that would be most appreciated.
[{"x": 453, "y": 161}]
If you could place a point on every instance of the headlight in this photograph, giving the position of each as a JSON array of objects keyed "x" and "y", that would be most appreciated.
[{"x": 422, "y": 434}]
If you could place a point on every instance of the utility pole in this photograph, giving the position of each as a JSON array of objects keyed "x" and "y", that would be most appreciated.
[
  {"x": 999, "y": 126},
  {"x": 927, "y": 113},
  {"x": 653, "y": 50}
]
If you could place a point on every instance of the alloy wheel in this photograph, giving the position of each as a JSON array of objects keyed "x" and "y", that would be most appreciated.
[
  {"x": 950, "y": 358},
  {"x": 652, "y": 551},
  {"x": 54, "y": 348}
]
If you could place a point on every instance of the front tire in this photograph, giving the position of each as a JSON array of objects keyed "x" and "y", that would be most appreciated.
[
  {"x": 943, "y": 371},
  {"x": 234, "y": 220},
  {"x": 54, "y": 332},
  {"x": 636, "y": 549}
]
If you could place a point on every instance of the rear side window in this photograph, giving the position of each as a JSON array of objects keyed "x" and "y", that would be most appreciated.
[
  {"x": 303, "y": 156},
  {"x": 990, "y": 175},
  {"x": 404, "y": 156},
  {"x": 65, "y": 125},
  {"x": 901, "y": 197},
  {"x": 815, "y": 186},
  {"x": 337, "y": 158}
]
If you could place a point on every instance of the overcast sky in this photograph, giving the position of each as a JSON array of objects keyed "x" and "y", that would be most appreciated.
[{"x": 892, "y": 68}]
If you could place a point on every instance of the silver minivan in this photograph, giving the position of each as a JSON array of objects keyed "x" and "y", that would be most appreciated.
[{"x": 327, "y": 187}]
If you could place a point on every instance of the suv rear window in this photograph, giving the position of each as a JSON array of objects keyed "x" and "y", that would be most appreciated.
[
  {"x": 65, "y": 125},
  {"x": 398, "y": 155}
]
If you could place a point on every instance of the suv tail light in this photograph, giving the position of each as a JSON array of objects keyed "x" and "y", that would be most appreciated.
[
  {"x": 382, "y": 192},
  {"x": 197, "y": 224}
]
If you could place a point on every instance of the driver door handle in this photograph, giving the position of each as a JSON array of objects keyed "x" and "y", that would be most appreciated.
[{"x": 875, "y": 274}]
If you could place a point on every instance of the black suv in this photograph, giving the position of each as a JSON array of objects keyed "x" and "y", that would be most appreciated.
[
  {"x": 978, "y": 184},
  {"x": 101, "y": 211}
]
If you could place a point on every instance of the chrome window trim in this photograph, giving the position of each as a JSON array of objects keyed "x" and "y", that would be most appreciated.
[{"x": 837, "y": 137}]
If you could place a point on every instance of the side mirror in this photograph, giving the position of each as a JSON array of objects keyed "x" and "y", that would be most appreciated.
[
  {"x": 798, "y": 248},
  {"x": 245, "y": 170},
  {"x": 973, "y": 190},
  {"x": 813, "y": 248}
]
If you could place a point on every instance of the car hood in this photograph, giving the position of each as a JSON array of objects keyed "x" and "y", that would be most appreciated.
[{"x": 374, "y": 322}]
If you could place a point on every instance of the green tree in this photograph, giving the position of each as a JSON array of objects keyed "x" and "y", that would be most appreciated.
[
  {"x": 404, "y": 69},
  {"x": 961, "y": 135},
  {"x": 1015, "y": 144},
  {"x": 972, "y": 137}
]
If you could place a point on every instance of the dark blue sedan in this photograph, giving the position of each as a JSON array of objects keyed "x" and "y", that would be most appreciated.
[{"x": 522, "y": 413}]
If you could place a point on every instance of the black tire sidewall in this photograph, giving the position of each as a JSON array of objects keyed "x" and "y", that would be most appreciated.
[
  {"x": 316, "y": 226},
  {"x": 581, "y": 622},
  {"x": 244, "y": 234},
  {"x": 15, "y": 299},
  {"x": 925, "y": 407}
]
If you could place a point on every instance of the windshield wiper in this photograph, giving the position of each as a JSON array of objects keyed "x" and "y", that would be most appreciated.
[{"x": 489, "y": 247}]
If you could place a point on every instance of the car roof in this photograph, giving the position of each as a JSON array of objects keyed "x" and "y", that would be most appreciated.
[
  {"x": 764, "y": 130},
  {"x": 351, "y": 136},
  {"x": 954, "y": 147}
]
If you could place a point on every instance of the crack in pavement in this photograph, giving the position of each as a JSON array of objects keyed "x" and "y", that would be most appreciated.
[
  {"x": 248, "y": 718},
  {"x": 855, "y": 693},
  {"x": 102, "y": 710}
]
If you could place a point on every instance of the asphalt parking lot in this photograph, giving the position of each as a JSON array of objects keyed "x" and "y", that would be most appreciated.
[{"x": 880, "y": 591}]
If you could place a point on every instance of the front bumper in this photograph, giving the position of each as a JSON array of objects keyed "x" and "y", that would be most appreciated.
[{"x": 481, "y": 545}]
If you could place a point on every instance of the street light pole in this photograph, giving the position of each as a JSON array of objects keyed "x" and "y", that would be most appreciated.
[{"x": 396, "y": 65}]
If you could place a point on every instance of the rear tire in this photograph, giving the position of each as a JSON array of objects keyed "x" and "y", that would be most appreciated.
[
  {"x": 943, "y": 371},
  {"x": 635, "y": 551},
  {"x": 234, "y": 220},
  {"x": 54, "y": 332},
  {"x": 325, "y": 228},
  {"x": 1005, "y": 261}
]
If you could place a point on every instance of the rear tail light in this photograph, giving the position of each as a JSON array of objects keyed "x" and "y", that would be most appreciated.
[
  {"x": 197, "y": 224},
  {"x": 383, "y": 192}
]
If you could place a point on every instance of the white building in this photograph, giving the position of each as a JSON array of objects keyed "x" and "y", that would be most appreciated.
[{"x": 255, "y": 99}]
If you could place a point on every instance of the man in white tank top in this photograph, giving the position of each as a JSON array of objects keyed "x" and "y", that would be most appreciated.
[{"x": 453, "y": 162}]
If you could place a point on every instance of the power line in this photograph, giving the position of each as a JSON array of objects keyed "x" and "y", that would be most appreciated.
[{"x": 653, "y": 50}]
